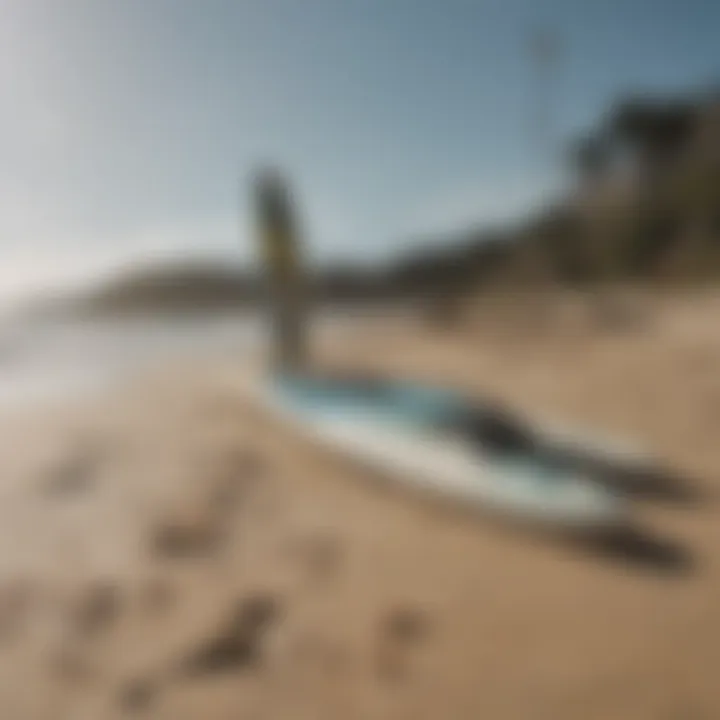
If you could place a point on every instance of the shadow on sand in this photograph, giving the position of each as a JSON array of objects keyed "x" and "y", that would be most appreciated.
[
  {"x": 500, "y": 434},
  {"x": 640, "y": 478},
  {"x": 637, "y": 481},
  {"x": 499, "y": 431},
  {"x": 627, "y": 545},
  {"x": 638, "y": 549}
]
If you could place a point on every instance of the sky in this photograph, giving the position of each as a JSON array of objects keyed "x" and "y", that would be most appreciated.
[{"x": 130, "y": 129}]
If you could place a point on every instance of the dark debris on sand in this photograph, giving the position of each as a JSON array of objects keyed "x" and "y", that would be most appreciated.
[{"x": 238, "y": 643}]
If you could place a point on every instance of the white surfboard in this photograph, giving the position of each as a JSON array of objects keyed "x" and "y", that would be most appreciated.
[{"x": 398, "y": 430}]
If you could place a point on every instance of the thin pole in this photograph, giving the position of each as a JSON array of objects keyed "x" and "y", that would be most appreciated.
[{"x": 545, "y": 53}]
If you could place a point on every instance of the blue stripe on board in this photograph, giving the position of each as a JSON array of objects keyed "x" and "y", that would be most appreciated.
[{"x": 408, "y": 402}]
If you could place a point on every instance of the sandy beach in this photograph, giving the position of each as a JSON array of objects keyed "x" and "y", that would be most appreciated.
[{"x": 169, "y": 551}]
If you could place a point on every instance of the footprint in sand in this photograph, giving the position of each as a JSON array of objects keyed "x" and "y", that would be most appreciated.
[
  {"x": 405, "y": 625},
  {"x": 157, "y": 595},
  {"x": 320, "y": 553},
  {"x": 17, "y": 598},
  {"x": 200, "y": 529},
  {"x": 96, "y": 608},
  {"x": 236, "y": 645},
  {"x": 196, "y": 534},
  {"x": 315, "y": 649},
  {"x": 238, "y": 477},
  {"x": 71, "y": 665},
  {"x": 400, "y": 630},
  {"x": 137, "y": 695},
  {"x": 75, "y": 473}
]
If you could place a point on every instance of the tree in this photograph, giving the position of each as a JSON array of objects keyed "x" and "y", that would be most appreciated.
[
  {"x": 652, "y": 132},
  {"x": 590, "y": 156}
]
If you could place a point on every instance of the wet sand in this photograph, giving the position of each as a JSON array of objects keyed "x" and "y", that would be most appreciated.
[{"x": 168, "y": 551}]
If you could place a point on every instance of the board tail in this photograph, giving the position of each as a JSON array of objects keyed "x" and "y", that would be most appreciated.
[{"x": 279, "y": 241}]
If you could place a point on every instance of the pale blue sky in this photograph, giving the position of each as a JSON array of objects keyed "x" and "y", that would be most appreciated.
[{"x": 128, "y": 126}]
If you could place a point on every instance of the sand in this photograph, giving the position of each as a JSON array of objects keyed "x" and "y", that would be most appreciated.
[{"x": 168, "y": 551}]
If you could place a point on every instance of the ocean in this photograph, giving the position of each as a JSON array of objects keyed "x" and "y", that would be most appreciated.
[
  {"x": 55, "y": 359},
  {"x": 44, "y": 360}
]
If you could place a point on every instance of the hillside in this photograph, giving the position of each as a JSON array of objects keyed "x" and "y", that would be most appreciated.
[
  {"x": 645, "y": 205},
  {"x": 202, "y": 286}
]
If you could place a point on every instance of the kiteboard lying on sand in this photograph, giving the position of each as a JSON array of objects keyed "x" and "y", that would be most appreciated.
[{"x": 433, "y": 440}]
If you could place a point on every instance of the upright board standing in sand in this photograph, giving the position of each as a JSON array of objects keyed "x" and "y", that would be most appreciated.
[{"x": 278, "y": 234}]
